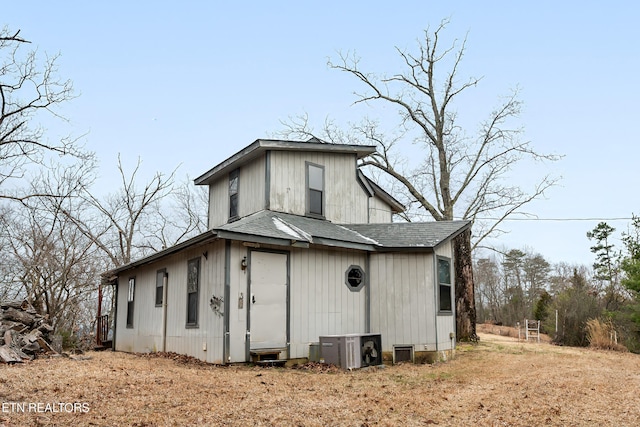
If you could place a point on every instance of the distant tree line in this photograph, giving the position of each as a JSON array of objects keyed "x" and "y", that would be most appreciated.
[{"x": 569, "y": 299}]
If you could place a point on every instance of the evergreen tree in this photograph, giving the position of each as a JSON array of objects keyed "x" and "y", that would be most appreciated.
[{"x": 607, "y": 264}]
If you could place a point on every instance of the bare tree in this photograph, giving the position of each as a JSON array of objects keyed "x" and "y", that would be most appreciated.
[
  {"x": 489, "y": 294},
  {"x": 118, "y": 223},
  {"x": 53, "y": 265},
  {"x": 180, "y": 216},
  {"x": 54, "y": 248},
  {"x": 460, "y": 177},
  {"x": 29, "y": 88}
]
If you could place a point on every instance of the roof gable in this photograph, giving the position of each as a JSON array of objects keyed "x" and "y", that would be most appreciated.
[{"x": 374, "y": 189}]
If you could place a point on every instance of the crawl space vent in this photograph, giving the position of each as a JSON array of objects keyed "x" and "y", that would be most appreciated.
[{"x": 402, "y": 353}]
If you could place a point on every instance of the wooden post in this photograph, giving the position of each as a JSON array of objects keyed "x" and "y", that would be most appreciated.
[{"x": 99, "y": 317}]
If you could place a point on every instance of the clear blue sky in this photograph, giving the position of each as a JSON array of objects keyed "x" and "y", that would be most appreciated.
[{"x": 192, "y": 82}]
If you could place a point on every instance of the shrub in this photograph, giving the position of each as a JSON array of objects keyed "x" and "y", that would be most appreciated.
[{"x": 602, "y": 335}]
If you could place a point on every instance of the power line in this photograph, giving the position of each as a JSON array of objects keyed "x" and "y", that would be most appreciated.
[
  {"x": 558, "y": 219},
  {"x": 532, "y": 218}
]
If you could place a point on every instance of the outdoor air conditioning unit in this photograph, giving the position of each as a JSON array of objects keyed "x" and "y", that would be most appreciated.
[{"x": 351, "y": 351}]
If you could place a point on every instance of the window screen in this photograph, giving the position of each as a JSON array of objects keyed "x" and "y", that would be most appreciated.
[
  {"x": 130, "y": 295},
  {"x": 444, "y": 281},
  {"x": 193, "y": 285},
  {"x": 315, "y": 190}
]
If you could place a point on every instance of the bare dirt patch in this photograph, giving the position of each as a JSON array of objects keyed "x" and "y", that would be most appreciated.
[{"x": 492, "y": 383}]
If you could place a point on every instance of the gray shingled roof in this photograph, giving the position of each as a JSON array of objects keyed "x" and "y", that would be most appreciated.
[
  {"x": 277, "y": 225},
  {"x": 410, "y": 234},
  {"x": 287, "y": 229}
]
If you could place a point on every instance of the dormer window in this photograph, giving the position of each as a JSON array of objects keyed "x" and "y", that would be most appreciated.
[
  {"x": 315, "y": 190},
  {"x": 234, "y": 182}
]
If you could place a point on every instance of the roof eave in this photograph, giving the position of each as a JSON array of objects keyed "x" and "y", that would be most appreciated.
[
  {"x": 396, "y": 206},
  {"x": 246, "y": 153},
  {"x": 259, "y": 146},
  {"x": 254, "y": 238},
  {"x": 199, "y": 239},
  {"x": 428, "y": 249},
  {"x": 343, "y": 244},
  {"x": 455, "y": 233}
]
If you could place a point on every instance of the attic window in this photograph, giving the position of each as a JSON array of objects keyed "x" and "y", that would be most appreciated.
[
  {"x": 315, "y": 190},
  {"x": 354, "y": 278},
  {"x": 234, "y": 182}
]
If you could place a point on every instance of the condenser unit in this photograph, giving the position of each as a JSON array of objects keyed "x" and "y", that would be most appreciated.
[{"x": 351, "y": 351}]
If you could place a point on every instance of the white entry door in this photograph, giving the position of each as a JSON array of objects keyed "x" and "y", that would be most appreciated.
[{"x": 268, "y": 300}]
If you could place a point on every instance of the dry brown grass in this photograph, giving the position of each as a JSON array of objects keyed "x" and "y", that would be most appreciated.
[
  {"x": 602, "y": 335},
  {"x": 498, "y": 382},
  {"x": 508, "y": 331}
]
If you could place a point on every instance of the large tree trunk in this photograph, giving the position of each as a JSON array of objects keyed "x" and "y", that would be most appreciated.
[{"x": 465, "y": 298}]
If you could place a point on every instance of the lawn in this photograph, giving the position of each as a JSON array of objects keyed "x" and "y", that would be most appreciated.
[{"x": 498, "y": 382}]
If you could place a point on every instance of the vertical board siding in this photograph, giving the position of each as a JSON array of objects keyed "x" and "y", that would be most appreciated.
[
  {"x": 219, "y": 202},
  {"x": 402, "y": 299},
  {"x": 252, "y": 187},
  {"x": 379, "y": 211},
  {"x": 288, "y": 185},
  {"x": 447, "y": 322},
  {"x": 146, "y": 334},
  {"x": 238, "y": 315},
  {"x": 251, "y": 193},
  {"x": 288, "y": 189},
  {"x": 320, "y": 302}
]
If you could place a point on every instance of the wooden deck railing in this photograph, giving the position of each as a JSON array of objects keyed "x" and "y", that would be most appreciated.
[{"x": 102, "y": 330}]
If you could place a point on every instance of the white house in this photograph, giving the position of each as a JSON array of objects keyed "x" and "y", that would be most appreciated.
[{"x": 300, "y": 245}]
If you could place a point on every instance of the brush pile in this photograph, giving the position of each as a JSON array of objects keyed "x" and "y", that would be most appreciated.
[{"x": 23, "y": 332}]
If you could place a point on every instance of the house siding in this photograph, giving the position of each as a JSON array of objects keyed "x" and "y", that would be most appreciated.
[
  {"x": 402, "y": 307},
  {"x": 237, "y": 312},
  {"x": 145, "y": 335},
  {"x": 288, "y": 185},
  {"x": 321, "y": 303},
  {"x": 446, "y": 322},
  {"x": 204, "y": 341},
  {"x": 379, "y": 211},
  {"x": 251, "y": 193}
]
